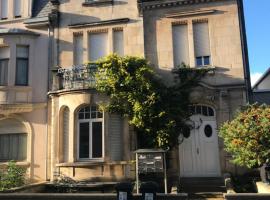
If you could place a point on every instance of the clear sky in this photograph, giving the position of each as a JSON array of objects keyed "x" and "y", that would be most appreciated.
[{"x": 257, "y": 16}]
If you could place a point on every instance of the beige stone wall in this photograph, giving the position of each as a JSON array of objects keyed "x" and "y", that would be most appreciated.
[
  {"x": 28, "y": 103},
  {"x": 224, "y": 33},
  {"x": 72, "y": 12}
]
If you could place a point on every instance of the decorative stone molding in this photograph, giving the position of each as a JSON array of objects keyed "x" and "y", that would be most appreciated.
[
  {"x": 154, "y": 4},
  {"x": 185, "y": 22},
  {"x": 8, "y": 109},
  {"x": 100, "y": 23},
  {"x": 190, "y": 13}
]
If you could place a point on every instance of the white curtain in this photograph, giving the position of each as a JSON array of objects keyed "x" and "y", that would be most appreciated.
[
  {"x": 13, "y": 140},
  {"x": 78, "y": 50},
  {"x": 17, "y": 7},
  {"x": 4, "y": 8},
  {"x": 98, "y": 45},
  {"x": 180, "y": 45},
  {"x": 118, "y": 42},
  {"x": 201, "y": 39}
]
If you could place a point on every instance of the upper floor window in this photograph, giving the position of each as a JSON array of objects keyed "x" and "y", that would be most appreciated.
[
  {"x": 78, "y": 49},
  {"x": 118, "y": 42},
  {"x": 4, "y": 9},
  {"x": 22, "y": 62},
  {"x": 180, "y": 44},
  {"x": 4, "y": 60},
  {"x": 97, "y": 45},
  {"x": 201, "y": 43},
  {"x": 90, "y": 133},
  {"x": 17, "y": 8}
]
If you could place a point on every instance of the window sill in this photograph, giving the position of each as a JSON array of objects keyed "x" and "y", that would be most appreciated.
[
  {"x": 19, "y": 163},
  {"x": 97, "y": 3},
  {"x": 91, "y": 163}
]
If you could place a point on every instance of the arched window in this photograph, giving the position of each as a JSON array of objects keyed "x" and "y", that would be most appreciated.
[
  {"x": 90, "y": 133},
  {"x": 202, "y": 110},
  {"x": 13, "y": 140}
]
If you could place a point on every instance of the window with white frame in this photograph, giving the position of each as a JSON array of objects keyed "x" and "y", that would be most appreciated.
[
  {"x": 78, "y": 49},
  {"x": 118, "y": 42},
  {"x": 3, "y": 9},
  {"x": 180, "y": 44},
  {"x": 22, "y": 62},
  {"x": 4, "y": 60},
  {"x": 201, "y": 43},
  {"x": 17, "y": 8},
  {"x": 97, "y": 45},
  {"x": 90, "y": 133}
]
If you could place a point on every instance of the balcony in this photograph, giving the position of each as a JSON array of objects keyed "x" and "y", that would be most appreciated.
[{"x": 77, "y": 77}]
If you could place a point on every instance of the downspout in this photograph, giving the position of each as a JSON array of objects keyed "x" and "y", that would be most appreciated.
[
  {"x": 241, "y": 17},
  {"x": 48, "y": 89}
]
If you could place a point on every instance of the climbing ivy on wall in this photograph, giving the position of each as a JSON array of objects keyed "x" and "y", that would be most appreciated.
[{"x": 158, "y": 111}]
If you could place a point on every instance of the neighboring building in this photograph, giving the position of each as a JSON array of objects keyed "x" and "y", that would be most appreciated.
[
  {"x": 85, "y": 143},
  {"x": 261, "y": 89},
  {"x": 73, "y": 137},
  {"x": 24, "y": 43}
]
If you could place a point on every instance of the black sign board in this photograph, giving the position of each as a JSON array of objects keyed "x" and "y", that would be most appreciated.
[{"x": 150, "y": 162}]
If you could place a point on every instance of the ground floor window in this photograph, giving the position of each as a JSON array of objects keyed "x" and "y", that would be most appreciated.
[
  {"x": 13, "y": 147},
  {"x": 90, "y": 133}
]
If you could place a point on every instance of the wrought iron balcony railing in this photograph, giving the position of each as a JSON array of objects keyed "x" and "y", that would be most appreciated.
[{"x": 78, "y": 77}]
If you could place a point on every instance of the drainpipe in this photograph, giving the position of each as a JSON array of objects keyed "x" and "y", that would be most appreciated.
[{"x": 241, "y": 17}]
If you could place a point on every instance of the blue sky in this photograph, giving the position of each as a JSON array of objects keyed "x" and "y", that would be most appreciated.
[{"x": 257, "y": 16}]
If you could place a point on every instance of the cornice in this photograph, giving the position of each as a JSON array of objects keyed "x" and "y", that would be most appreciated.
[
  {"x": 7, "y": 109},
  {"x": 157, "y": 4}
]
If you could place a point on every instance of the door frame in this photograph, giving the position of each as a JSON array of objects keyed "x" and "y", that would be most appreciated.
[{"x": 196, "y": 118}]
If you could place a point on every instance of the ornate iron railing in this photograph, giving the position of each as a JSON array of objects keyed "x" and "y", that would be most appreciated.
[{"x": 78, "y": 77}]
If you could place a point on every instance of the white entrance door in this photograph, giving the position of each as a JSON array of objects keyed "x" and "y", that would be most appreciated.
[{"x": 199, "y": 155}]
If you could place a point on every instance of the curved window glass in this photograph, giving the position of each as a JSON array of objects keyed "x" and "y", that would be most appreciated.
[{"x": 202, "y": 110}]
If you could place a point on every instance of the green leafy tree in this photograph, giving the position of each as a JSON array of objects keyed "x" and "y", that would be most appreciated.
[
  {"x": 13, "y": 176},
  {"x": 247, "y": 136},
  {"x": 157, "y": 111}
]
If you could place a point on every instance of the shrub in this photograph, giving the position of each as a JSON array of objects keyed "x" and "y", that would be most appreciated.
[
  {"x": 13, "y": 176},
  {"x": 247, "y": 136}
]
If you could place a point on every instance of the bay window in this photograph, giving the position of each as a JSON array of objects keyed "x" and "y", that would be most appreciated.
[
  {"x": 4, "y": 61},
  {"x": 90, "y": 133},
  {"x": 22, "y": 62}
]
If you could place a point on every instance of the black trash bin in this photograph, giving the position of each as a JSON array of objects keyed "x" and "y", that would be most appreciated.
[
  {"x": 149, "y": 190},
  {"x": 124, "y": 191}
]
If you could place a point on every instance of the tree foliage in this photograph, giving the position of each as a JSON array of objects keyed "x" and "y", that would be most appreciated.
[
  {"x": 247, "y": 136},
  {"x": 158, "y": 111}
]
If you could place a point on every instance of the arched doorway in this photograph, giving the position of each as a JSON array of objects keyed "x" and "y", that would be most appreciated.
[{"x": 199, "y": 154}]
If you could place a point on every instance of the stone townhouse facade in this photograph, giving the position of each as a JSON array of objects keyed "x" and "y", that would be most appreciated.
[
  {"x": 82, "y": 142},
  {"x": 24, "y": 67}
]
